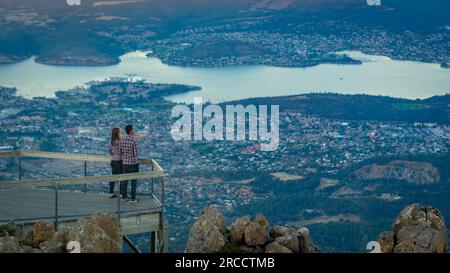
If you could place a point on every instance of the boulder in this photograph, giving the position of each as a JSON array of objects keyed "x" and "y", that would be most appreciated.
[
  {"x": 214, "y": 216},
  {"x": 262, "y": 220},
  {"x": 43, "y": 231},
  {"x": 11, "y": 229},
  {"x": 256, "y": 234},
  {"x": 92, "y": 236},
  {"x": 407, "y": 247},
  {"x": 108, "y": 224},
  {"x": 417, "y": 229},
  {"x": 29, "y": 249},
  {"x": 289, "y": 239},
  {"x": 28, "y": 239},
  {"x": 275, "y": 247},
  {"x": 306, "y": 244},
  {"x": 251, "y": 249},
  {"x": 277, "y": 231},
  {"x": 10, "y": 244},
  {"x": 57, "y": 244},
  {"x": 206, "y": 234},
  {"x": 237, "y": 229},
  {"x": 386, "y": 240},
  {"x": 209, "y": 235}
]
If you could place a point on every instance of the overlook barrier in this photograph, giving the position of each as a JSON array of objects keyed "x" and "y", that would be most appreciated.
[{"x": 63, "y": 200}]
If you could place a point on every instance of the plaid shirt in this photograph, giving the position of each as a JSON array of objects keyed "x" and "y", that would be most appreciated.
[{"x": 129, "y": 150}]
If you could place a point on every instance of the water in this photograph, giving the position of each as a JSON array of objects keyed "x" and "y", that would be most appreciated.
[{"x": 377, "y": 75}]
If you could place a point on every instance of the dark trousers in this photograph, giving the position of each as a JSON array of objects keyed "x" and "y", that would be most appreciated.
[
  {"x": 124, "y": 185},
  {"x": 116, "y": 168}
]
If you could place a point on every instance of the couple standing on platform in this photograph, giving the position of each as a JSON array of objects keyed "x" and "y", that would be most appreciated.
[{"x": 124, "y": 159}]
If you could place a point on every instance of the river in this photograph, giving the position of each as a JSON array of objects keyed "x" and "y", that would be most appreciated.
[{"x": 377, "y": 75}]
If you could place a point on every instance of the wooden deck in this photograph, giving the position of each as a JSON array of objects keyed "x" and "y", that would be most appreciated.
[{"x": 28, "y": 205}]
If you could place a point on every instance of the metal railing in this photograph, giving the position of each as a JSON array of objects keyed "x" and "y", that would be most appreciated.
[{"x": 68, "y": 198}]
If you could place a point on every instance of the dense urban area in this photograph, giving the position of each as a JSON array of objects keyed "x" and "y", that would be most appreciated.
[{"x": 201, "y": 173}]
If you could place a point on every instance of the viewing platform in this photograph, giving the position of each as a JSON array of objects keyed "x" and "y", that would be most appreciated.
[{"x": 65, "y": 200}]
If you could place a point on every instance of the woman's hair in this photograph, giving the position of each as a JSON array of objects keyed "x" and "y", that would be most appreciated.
[{"x": 115, "y": 135}]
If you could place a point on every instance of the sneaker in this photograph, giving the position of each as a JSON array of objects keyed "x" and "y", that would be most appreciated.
[
  {"x": 112, "y": 195},
  {"x": 134, "y": 201},
  {"x": 124, "y": 198}
]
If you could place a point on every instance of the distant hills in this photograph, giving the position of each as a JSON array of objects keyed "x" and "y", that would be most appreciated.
[
  {"x": 364, "y": 107},
  {"x": 88, "y": 33}
]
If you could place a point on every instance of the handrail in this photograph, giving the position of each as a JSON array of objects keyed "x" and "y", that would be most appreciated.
[
  {"x": 73, "y": 156},
  {"x": 156, "y": 171},
  {"x": 55, "y": 155},
  {"x": 78, "y": 180}
]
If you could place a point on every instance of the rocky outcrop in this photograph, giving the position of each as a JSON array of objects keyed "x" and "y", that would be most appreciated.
[
  {"x": 275, "y": 247},
  {"x": 43, "y": 231},
  {"x": 417, "y": 229},
  {"x": 10, "y": 244},
  {"x": 206, "y": 235},
  {"x": 408, "y": 171},
  {"x": 244, "y": 235},
  {"x": 98, "y": 234},
  {"x": 237, "y": 229},
  {"x": 10, "y": 229}
]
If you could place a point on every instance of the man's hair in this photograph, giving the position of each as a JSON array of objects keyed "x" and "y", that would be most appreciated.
[{"x": 128, "y": 129}]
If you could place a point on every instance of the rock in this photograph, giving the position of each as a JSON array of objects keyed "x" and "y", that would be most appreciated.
[
  {"x": 237, "y": 229},
  {"x": 43, "y": 231},
  {"x": 277, "y": 231},
  {"x": 417, "y": 229},
  {"x": 209, "y": 235},
  {"x": 289, "y": 240},
  {"x": 10, "y": 244},
  {"x": 93, "y": 238},
  {"x": 206, "y": 234},
  {"x": 262, "y": 220},
  {"x": 57, "y": 244},
  {"x": 28, "y": 239},
  {"x": 109, "y": 224},
  {"x": 205, "y": 237},
  {"x": 216, "y": 217},
  {"x": 62, "y": 236},
  {"x": 256, "y": 234},
  {"x": 306, "y": 244},
  {"x": 275, "y": 247},
  {"x": 29, "y": 249},
  {"x": 11, "y": 229},
  {"x": 407, "y": 247},
  {"x": 386, "y": 240},
  {"x": 251, "y": 249},
  {"x": 303, "y": 231},
  {"x": 408, "y": 171}
]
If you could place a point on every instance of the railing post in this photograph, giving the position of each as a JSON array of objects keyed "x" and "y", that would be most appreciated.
[
  {"x": 152, "y": 180},
  {"x": 118, "y": 201},
  {"x": 56, "y": 206},
  {"x": 163, "y": 194},
  {"x": 153, "y": 240},
  {"x": 20, "y": 168},
  {"x": 85, "y": 174},
  {"x": 162, "y": 242}
]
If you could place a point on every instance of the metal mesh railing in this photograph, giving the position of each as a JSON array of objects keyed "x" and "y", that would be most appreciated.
[{"x": 58, "y": 186}]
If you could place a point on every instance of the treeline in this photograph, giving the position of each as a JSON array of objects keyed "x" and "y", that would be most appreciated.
[
  {"x": 299, "y": 200},
  {"x": 363, "y": 107}
]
